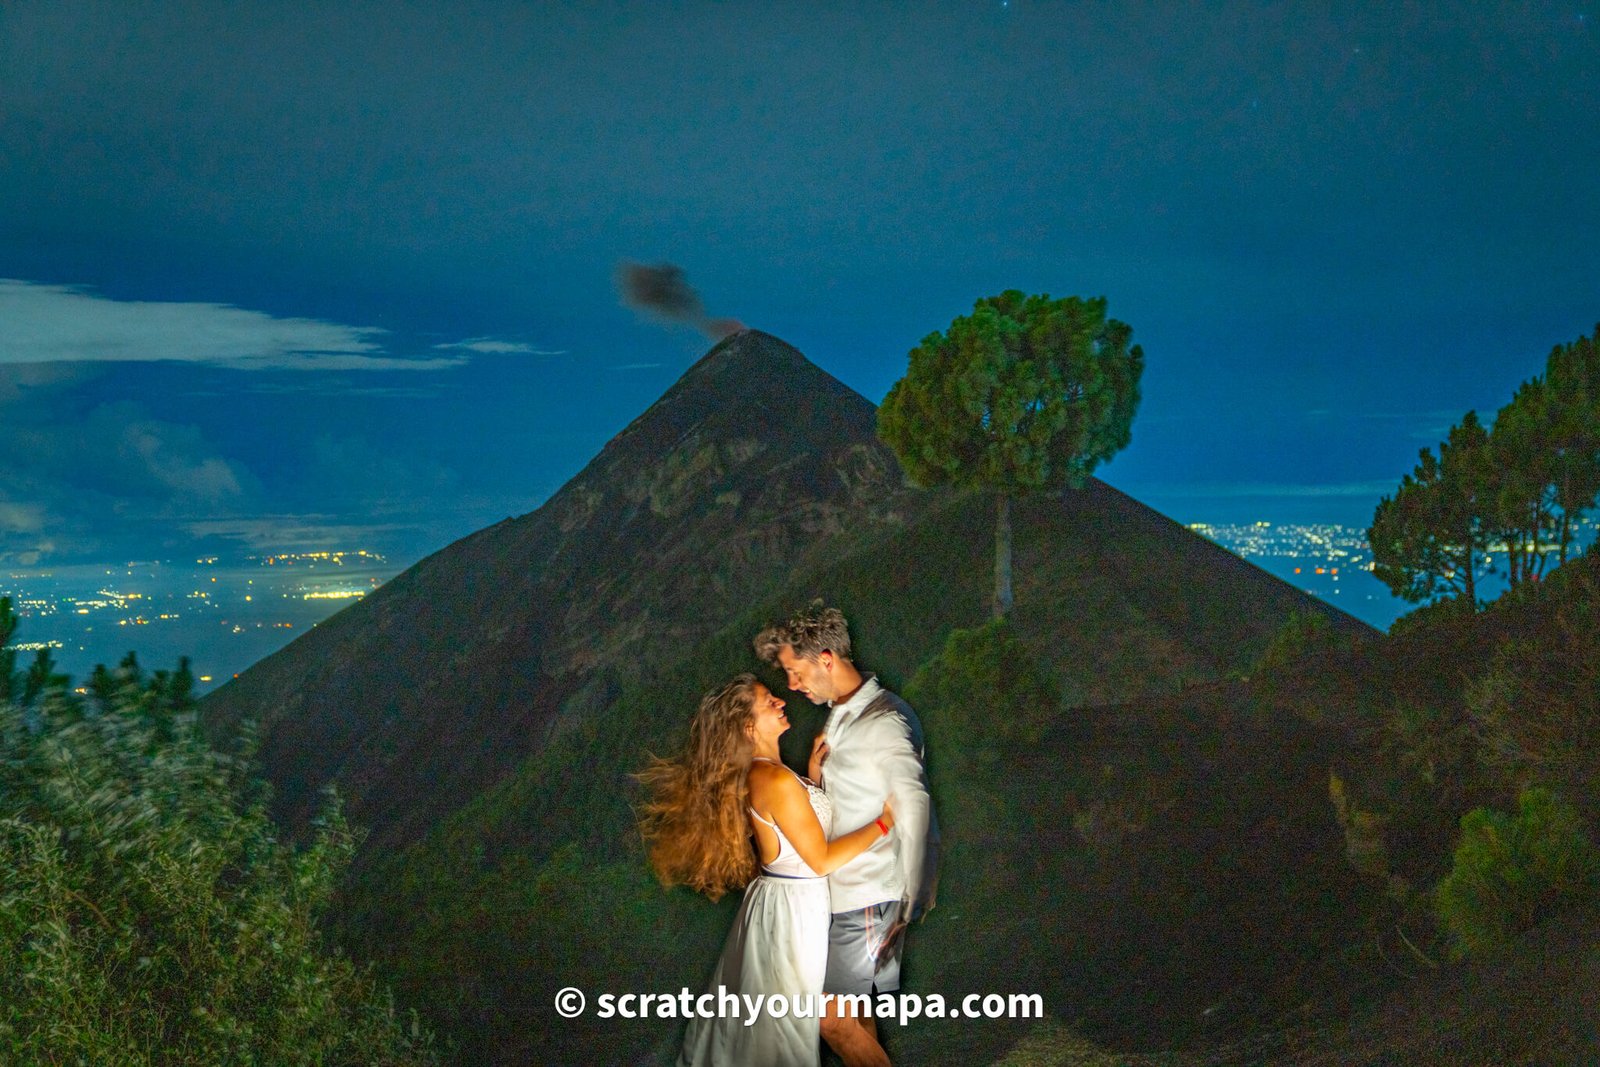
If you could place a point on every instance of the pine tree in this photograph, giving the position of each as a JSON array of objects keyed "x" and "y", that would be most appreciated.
[
  {"x": 1572, "y": 386},
  {"x": 1025, "y": 394},
  {"x": 1432, "y": 537}
]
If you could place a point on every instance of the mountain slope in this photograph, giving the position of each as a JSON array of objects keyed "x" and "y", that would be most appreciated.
[
  {"x": 755, "y": 466},
  {"x": 431, "y": 687}
]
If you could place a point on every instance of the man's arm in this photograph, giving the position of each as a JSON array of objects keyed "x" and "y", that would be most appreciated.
[{"x": 890, "y": 741}]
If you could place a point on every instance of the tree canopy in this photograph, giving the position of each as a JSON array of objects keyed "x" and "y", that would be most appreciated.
[
  {"x": 1432, "y": 537},
  {"x": 1024, "y": 394},
  {"x": 1517, "y": 488}
]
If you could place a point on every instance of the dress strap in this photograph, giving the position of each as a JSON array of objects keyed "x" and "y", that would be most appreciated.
[{"x": 785, "y": 766}]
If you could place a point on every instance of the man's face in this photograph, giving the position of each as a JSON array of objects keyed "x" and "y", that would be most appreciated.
[{"x": 810, "y": 678}]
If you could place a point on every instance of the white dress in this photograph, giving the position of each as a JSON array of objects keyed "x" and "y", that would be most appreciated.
[{"x": 778, "y": 944}]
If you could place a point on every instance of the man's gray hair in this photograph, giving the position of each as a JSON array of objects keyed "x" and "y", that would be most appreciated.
[{"x": 809, "y": 632}]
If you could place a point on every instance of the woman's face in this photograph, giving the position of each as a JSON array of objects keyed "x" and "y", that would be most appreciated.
[{"x": 770, "y": 719}]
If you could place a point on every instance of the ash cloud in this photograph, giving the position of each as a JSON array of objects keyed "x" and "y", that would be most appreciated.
[{"x": 663, "y": 292}]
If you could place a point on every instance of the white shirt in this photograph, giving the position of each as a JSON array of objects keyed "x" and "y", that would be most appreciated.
[{"x": 875, "y": 750}]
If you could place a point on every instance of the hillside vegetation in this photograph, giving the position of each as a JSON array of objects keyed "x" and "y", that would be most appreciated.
[{"x": 148, "y": 913}]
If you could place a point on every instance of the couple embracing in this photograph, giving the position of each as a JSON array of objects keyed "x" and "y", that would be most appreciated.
[{"x": 842, "y": 860}]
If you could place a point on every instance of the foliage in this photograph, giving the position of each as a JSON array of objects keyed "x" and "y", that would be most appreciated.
[
  {"x": 1572, "y": 384},
  {"x": 148, "y": 915},
  {"x": 1302, "y": 633},
  {"x": 1537, "y": 709},
  {"x": 1026, "y": 393},
  {"x": 1432, "y": 537},
  {"x": 1511, "y": 870},
  {"x": 1547, "y": 456},
  {"x": 1434, "y": 745},
  {"x": 983, "y": 701},
  {"x": 1518, "y": 488},
  {"x": 1364, "y": 845},
  {"x": 1524, "y": 458},
  {"x": 983, "y": 687},
  {"x": 1430, "y": 617}
]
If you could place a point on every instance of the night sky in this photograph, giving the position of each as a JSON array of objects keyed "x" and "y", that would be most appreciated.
[{"x": 289, "y": 274}]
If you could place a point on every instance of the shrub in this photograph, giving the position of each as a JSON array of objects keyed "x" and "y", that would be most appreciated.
[
  {"x": 1452, "y": 611},
  {"x": 148, "y": 913},
  {"x": 982, "y": 700},
  {"x": 1435, "y": 747},
  {"x": 1303, "y": 633},
  {"x": 1537, "y": 709},
  {"x": 1364, "y": 846},
  {"x": 1513, "y": 870},
  {"x": 983, "y": 687}
]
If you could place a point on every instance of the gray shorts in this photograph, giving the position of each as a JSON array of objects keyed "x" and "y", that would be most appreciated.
[{"x": 864, "y": 949}]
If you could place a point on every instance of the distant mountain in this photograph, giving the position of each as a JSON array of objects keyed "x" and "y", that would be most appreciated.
[{"x": 444, "y": 677}]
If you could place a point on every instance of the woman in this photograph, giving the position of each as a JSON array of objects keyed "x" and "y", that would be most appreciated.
[{"x": 697, "y": 823}]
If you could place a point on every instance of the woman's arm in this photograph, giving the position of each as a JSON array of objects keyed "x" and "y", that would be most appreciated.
[{"x": 788, "y": 805}]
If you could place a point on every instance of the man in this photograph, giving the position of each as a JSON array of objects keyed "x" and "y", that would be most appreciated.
[{"x": 870, "y": 748}]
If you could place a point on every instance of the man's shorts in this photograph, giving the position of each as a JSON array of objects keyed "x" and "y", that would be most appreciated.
[{"x": 864, "y": 948}]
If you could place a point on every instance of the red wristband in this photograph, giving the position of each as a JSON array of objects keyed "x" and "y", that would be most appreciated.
[{"x": 882, "y": 827}]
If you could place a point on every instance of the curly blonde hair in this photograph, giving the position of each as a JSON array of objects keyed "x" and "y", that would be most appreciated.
[{"x": 693, "y": 820}]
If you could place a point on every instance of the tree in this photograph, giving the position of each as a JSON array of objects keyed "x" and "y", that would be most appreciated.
[
  {"x": 1524, "y": 464},
  {"x": 1025, "y": 394},
  {"x": 149, "y": 913},
  {"x": 8, "y": 655},
  {"x": 1522, "y": 486},
  {"x": 1572, "y": 380},
  {"x": 1432, "y": 537},
  {"x": 1547, "y": 450}
]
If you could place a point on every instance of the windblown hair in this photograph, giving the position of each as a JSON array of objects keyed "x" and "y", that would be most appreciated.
[
  {"x": 809, "y": 632},
  {"x": 693, "y": 821}
]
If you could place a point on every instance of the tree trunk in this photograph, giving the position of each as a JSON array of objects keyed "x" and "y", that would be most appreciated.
[
  {"x": 1513, "y": 539},
  {"x": 1002, "y": 557},
  {"x": 1535, "y": 565},
  {"x": 1471, "y": 589},
  {"x": 1563, "y": 498}
]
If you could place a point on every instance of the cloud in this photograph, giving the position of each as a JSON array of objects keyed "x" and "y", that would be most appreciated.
[
  {"x": 636, "y": 366},
  {"x": 57, "y": 323},
  {"x": 137, "y": 456},
  {"x": 292, "y": 531},
  {"x": 33, "y": 382},
  {"x": 21, "y": 518},
  {"x": 83, "y": 482},
  {"x": 328, "y": 361},
  {"x": 490, "y": 346},
  {"x": 1269, "y": 489},
  {"x": 312, "y": 385}
]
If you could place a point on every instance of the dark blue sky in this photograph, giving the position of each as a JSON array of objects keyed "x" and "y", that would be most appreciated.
[{"x": 289, "y": 273}]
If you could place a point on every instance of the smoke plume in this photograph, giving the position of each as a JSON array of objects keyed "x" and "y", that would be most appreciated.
[{"x": 662, "y": 291}]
